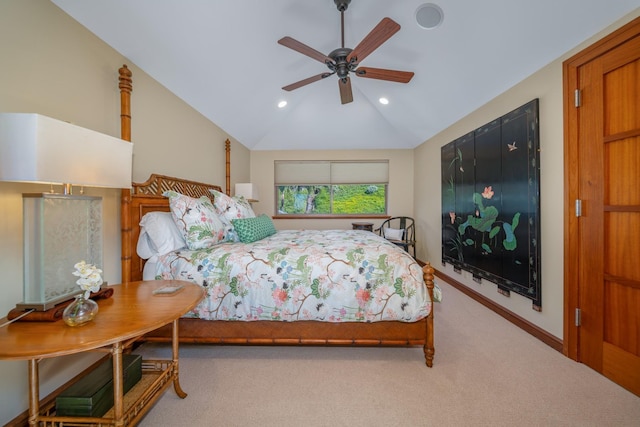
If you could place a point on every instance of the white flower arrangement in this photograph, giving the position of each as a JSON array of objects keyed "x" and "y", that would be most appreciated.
[{"x": 90, "y": 278}]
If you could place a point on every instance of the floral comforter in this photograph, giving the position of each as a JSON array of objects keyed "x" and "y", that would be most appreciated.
[{"x": 324, "y": 275}]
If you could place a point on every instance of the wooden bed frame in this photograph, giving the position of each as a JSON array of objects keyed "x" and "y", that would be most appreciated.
[{"x": 147, "y": 197}]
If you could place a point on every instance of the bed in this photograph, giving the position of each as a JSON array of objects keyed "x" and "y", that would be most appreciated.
[{"x": 312, "y": 320}]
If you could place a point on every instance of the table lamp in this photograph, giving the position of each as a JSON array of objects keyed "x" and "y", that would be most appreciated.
[{"x": 60, "y": 229}]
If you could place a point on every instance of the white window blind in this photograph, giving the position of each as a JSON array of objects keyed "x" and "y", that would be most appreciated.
[
  {"x": 302, "y": 172},
  {"x": 291, "y": 172}
]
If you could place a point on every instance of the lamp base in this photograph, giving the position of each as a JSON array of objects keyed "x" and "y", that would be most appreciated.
[
  {"x": 44, "y": 306},
  {"x": 55, "y": 313},
  {"x": 48, "y": 305}
]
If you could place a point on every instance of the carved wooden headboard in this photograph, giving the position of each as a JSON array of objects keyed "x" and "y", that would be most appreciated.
[{"x": 147, "y": 196}]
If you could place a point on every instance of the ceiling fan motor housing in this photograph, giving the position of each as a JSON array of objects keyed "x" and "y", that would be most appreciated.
[
  {"x": 342, "y": 4},
  {"x": 340, "y": 64}
]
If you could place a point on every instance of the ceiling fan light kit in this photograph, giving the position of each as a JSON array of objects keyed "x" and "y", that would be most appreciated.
[{"x": 343, "y": 61}]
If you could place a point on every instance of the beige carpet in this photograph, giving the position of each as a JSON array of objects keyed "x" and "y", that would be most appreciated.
[{"x": 487, "y": 372}]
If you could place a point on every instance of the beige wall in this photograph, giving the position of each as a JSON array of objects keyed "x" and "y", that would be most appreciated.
[
  {"x": 400, "y": 191},
  {"x": 51, "y": 65},
  {"x": 172, "y": 139},
  {"x": 546, "y": 85}
]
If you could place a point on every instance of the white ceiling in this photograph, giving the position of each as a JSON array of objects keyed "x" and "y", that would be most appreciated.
[{"x": 222, "y": 58}]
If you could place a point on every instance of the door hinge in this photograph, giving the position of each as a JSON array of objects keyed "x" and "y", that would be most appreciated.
[
  {"x": 578, "y": 317},
  {"x": 578, "y": 207},
  {"x": 577, "y": 94}
]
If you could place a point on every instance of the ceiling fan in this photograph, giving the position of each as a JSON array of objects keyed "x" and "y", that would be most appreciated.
[{"x": 344, "y": 60}]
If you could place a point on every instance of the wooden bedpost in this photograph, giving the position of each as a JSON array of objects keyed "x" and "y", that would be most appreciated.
[
  {"x": 429, "y": 350},
  {"x": 126, "y": 86},
  {"x": 227, "y": 148}
]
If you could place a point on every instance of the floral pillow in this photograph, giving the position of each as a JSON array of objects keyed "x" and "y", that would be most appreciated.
[
  {"x": 197, "y": 220},
  {"x": 230, "y": 208}
]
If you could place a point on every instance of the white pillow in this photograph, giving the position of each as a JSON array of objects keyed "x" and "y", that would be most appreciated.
[
  {"x": 143, "y": 249},
  {"x": 393, "y": 233},
  {"x": 159, "y": 235},
  {"x": 149, "y": 270}
]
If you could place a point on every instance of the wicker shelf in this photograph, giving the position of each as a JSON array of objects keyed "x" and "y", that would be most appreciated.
[{"x": 157, "y": 375}]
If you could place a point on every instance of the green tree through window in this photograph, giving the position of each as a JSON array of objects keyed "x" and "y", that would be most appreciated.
[
  {"x": 331, "y": 187},
  {"x": 343, "y": 199}
]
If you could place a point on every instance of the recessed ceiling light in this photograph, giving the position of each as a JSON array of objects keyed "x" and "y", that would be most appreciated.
[
  {"x": 282, "y": 104},
  {"x": 429, "y": 16},
  {"x": 383, "y": 101}
]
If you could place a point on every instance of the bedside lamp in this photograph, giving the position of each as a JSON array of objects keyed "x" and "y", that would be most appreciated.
[
  {"x": 247, "y": 190},
  {"x": 59, "y": 229}
]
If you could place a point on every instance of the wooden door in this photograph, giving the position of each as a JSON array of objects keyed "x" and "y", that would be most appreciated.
[{"x": 602, "y": 249}]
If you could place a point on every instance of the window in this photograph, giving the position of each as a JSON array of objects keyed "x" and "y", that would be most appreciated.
[{"x": 331, "y": 187}]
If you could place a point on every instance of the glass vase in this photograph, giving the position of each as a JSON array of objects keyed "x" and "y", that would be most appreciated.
[{"x": 80, "y": 311}]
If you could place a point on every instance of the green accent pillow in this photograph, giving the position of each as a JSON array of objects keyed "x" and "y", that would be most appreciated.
[{"x": 254, "y": 229}]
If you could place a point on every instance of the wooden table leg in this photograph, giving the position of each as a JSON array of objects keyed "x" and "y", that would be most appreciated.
[
  {"x": 34, "y": 393},
  {"x": 118, "y": 389},
  {"x": 176, "y": 370}
]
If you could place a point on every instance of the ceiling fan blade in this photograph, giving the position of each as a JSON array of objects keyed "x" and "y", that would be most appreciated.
[
  {"x": 346, "y": 94},
  {"x": 306, "y": 81},
  {"x": 380, "y": 34},
  {"x": 382, "y": 74},
  {"x": 304, "y": 49}
]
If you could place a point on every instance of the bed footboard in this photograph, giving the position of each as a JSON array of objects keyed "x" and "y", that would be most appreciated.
[{"x": 393, "y": 334}]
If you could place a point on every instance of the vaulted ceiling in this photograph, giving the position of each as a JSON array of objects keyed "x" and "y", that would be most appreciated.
[{"x": 223, "y": 59}]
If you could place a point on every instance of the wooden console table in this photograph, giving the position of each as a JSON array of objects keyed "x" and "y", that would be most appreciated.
[{"x": 133, "y": 311}]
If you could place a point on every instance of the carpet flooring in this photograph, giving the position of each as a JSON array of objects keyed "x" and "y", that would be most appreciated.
[{"x": 486, "y": 372}]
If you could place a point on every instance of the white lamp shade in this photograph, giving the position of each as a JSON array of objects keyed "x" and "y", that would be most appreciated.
[
  {"x": 247, "y": 190},
  {"x": 36, "y": 148}
]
